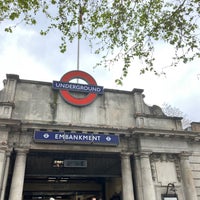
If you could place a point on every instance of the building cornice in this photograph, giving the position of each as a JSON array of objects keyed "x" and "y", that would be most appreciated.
[
  {"x": 10, "y": 123},
  {"x": 181, "y": 134},
  {"x": 124, "y": 132},
  {"x": 156, "y": 116}
]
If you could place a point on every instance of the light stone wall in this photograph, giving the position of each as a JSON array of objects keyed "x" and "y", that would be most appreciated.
[
  {"x": 158, "y": 122},
  {"x": 166, "y": 169},
  {"x": 162, "y": 145},
  {"x": 37, "y": 102},
  {"x": 142, "y": 128},
  {"x": 195, "y": 126}
]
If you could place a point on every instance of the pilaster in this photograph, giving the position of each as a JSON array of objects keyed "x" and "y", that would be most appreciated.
[
  {"x": 188, "y": 181},
  {"x": 17, "y": 184}
]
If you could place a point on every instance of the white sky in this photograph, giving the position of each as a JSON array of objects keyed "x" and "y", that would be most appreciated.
[{"x": 34, "y": 57}]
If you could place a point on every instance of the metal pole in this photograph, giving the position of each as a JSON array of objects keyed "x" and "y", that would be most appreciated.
[
  {"x": 78, "y": 48},
  {"x": 78, "y": 45}
]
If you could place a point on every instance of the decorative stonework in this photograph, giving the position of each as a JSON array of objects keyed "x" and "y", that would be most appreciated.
[
  {"x": 178, "y": 170},
  {"x": 163, "y": 158},
  {"x": 153, "y": 170}
]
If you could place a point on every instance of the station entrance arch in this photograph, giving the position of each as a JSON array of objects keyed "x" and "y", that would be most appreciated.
[{"x": 72, "y": 176}]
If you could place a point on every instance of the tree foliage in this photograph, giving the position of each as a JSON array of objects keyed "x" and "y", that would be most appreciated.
[{"x": 117, "y": 29}]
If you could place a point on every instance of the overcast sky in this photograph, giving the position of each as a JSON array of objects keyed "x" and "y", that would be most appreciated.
[{"x": 36, "y": 57}]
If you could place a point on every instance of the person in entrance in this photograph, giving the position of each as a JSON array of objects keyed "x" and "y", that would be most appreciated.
[{"x": 116, "y": 196}]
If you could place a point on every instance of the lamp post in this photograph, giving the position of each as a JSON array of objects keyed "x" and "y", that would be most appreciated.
[{"x": 170, "y": 193}]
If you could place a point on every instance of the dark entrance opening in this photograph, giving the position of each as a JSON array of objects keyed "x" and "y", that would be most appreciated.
[
  {"x": 69, "y": 175},
  {"x": 68, "y": 188}
]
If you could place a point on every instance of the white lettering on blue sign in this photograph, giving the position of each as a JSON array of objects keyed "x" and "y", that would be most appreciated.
[
  {"x": 68, "y": 137},
  {"x": 77, "y": 137},
  {"x": 78, "y": 87}
]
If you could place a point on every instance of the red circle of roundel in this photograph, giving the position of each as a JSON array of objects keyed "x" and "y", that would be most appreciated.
[{"x": 73, "y": 100}]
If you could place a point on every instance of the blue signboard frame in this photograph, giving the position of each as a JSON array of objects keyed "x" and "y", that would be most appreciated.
[{"x": 76, "y": 138}]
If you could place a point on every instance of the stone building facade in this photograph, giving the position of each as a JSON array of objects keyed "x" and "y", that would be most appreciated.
[{"x": 152, "y": 158}]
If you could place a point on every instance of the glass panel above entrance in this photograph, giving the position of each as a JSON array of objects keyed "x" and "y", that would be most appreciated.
[{"x": 73, "y": 164}]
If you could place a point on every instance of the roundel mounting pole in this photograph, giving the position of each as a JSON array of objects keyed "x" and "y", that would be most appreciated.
[
  {"x": 65, "y": 86},
  {"x": 78, "y": 45},
  {"x": 78, "y": 36}
]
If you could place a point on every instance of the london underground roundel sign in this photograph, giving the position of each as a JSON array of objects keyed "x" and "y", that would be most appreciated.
[{"x": 90, "y": 88}]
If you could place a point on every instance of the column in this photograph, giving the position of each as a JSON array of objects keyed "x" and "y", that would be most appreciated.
[
  {"x": 5, "y": 178},
  {"x": 188, "y": 182},
  {"x": 127, "y": 181},
  {"x": 137, "y": 176},
  {"x": 147, "y": 181},
  {"x": 2, "y": 166},
  {"x": 17, "y": 184}
]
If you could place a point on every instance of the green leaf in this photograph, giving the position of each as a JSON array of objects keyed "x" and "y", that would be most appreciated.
[{"x": 116, "y": 30}]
